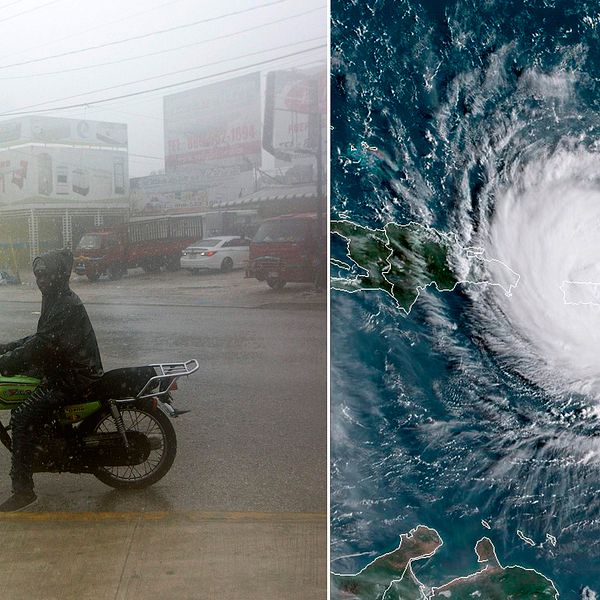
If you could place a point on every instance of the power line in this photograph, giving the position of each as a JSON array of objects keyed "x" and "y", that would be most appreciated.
[
  {"x": 84, "y": 31},
  {"x": 114, "y": 108},
  {"x": 201, "y": 42},
  {"x": 29, "y": 10},
  {"x": 112, "y": 87},
  {"x": 141, "y": 36},
  {"x": 22, "y": 111}
]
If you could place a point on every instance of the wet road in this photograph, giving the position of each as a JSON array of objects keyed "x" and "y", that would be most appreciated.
[{"x": 256, "y": 437}]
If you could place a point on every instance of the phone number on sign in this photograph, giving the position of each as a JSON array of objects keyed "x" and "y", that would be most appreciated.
[{"x": 214, "y": 139}]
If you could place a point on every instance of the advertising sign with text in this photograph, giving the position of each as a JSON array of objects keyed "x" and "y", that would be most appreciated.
[
  {"x": 217, "y": 124},
  {"x": 295, "y": 112},
  {"x": 63, "y": 173},
  {"x": 53, "y": 130}
]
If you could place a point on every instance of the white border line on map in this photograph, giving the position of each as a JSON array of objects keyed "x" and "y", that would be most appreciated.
[
  {"x": 562, "y": 288},
  {"x": 467, "y": 577},
  {"x": 526, "y": 539},
  {"x": 403, "y": 536},
  {"x": 419, "y": 289},
  {"x": 429, "y": 555}
]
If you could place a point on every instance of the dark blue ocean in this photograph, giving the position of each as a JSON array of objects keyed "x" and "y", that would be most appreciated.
[{"x": 479, "y": 118}]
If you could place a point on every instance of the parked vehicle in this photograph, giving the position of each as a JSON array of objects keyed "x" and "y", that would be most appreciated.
[
  {"x": 242, "y": 223},
  {"x": 121, "y": 432},
  {"x": 287, "y": 249},
  {"x": 6, "y": 279},
  {"x": 225, "y": 252},
  {"x": 150, "y": 243}
]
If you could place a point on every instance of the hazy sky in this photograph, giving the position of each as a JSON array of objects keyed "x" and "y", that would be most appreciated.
[{"x": 35, "y": 31}]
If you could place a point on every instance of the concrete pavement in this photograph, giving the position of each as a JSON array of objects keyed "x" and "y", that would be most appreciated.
[
  {"x": 187, "y": 552},
  {"x": 163, "y": 556}
]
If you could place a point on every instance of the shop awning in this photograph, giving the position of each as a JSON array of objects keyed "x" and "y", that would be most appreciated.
[{"x": 270, "y": 195}]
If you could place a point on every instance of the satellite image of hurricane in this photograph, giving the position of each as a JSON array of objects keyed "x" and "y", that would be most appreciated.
[{"x": 465, "y": 301}]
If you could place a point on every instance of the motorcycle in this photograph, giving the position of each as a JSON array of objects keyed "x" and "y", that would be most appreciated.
[{"x": 120, "y": 431}]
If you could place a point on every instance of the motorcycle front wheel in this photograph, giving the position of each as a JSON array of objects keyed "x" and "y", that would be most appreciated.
[{"x": 163, "y": 447}]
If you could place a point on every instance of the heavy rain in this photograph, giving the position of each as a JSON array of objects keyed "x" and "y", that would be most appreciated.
[{"x": 178, "y": 150}]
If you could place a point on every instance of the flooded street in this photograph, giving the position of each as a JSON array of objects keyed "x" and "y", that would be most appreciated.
[{"x": 255, "y": 439}]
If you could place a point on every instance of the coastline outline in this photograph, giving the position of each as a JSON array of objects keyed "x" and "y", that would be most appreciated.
[{"x": 452, "y": 239}]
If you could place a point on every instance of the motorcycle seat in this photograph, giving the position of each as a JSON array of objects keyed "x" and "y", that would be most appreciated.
[{"x": 121, "y": 383}]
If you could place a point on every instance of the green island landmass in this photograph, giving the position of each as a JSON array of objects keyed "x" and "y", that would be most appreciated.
[
  {"x": 398, "y": 259},
  {"x": 390, "y": 577},
  {"x": 495, "y": 582},
  {"x": 408, "y": 588},
  {"x": 373, "y": 581},
  {"x": 403, "y": 260}
]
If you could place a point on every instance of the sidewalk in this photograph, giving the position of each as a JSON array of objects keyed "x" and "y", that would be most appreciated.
[{"x": 163, "y": 556}]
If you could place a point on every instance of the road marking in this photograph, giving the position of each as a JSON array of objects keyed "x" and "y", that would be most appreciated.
[{"x": 193, "y": 515}]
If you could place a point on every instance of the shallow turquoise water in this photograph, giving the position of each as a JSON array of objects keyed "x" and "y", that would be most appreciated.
[{"x": 433, "y": 421}]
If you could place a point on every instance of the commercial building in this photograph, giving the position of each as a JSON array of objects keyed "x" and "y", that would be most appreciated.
[
  {"x": 229, "y": 148},
  {"x": 212, "y": 137},
  {"x": 59, "y": 177},
  {"x": 295, "y": 135}
]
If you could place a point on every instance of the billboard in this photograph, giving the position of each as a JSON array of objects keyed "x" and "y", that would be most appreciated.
[
  {"x": 198, "y": 190},
  {"x": 215, "y": 125},
  {"x": 62, "y": 173},
  {"x": 53, "y": 130},
  {"x": 202, "y": 178},
  {"x": 295, "y": 113}
]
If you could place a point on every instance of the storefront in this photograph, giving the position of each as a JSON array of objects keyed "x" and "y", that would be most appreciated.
[{"x": 37, "y": 225}]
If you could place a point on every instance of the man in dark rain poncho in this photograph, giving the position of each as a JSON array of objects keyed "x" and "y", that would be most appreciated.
[{"x": 63, "y": 353}]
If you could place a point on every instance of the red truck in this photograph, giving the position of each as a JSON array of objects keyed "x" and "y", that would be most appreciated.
[
  {"x": 148, "y": 243},
  {"x": 288, "y": 249}
]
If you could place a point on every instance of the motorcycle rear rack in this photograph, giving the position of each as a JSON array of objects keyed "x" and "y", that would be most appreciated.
[{"x": 168, "y": 373}]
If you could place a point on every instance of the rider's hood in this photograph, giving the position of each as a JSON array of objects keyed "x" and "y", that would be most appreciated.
[{"x": 58, "y": 265}]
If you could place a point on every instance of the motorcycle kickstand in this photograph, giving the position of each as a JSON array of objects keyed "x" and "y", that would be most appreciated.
[{"x": 118, "y": 421}]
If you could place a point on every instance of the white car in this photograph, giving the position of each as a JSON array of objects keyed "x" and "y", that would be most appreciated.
[{"x": 224, "y": 252}]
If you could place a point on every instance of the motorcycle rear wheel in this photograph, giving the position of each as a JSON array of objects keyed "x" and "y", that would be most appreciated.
[{"x": 163, "y": 441}]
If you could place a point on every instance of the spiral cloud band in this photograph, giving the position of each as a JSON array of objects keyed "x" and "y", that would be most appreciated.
[{"x": 546, "y": 227}]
